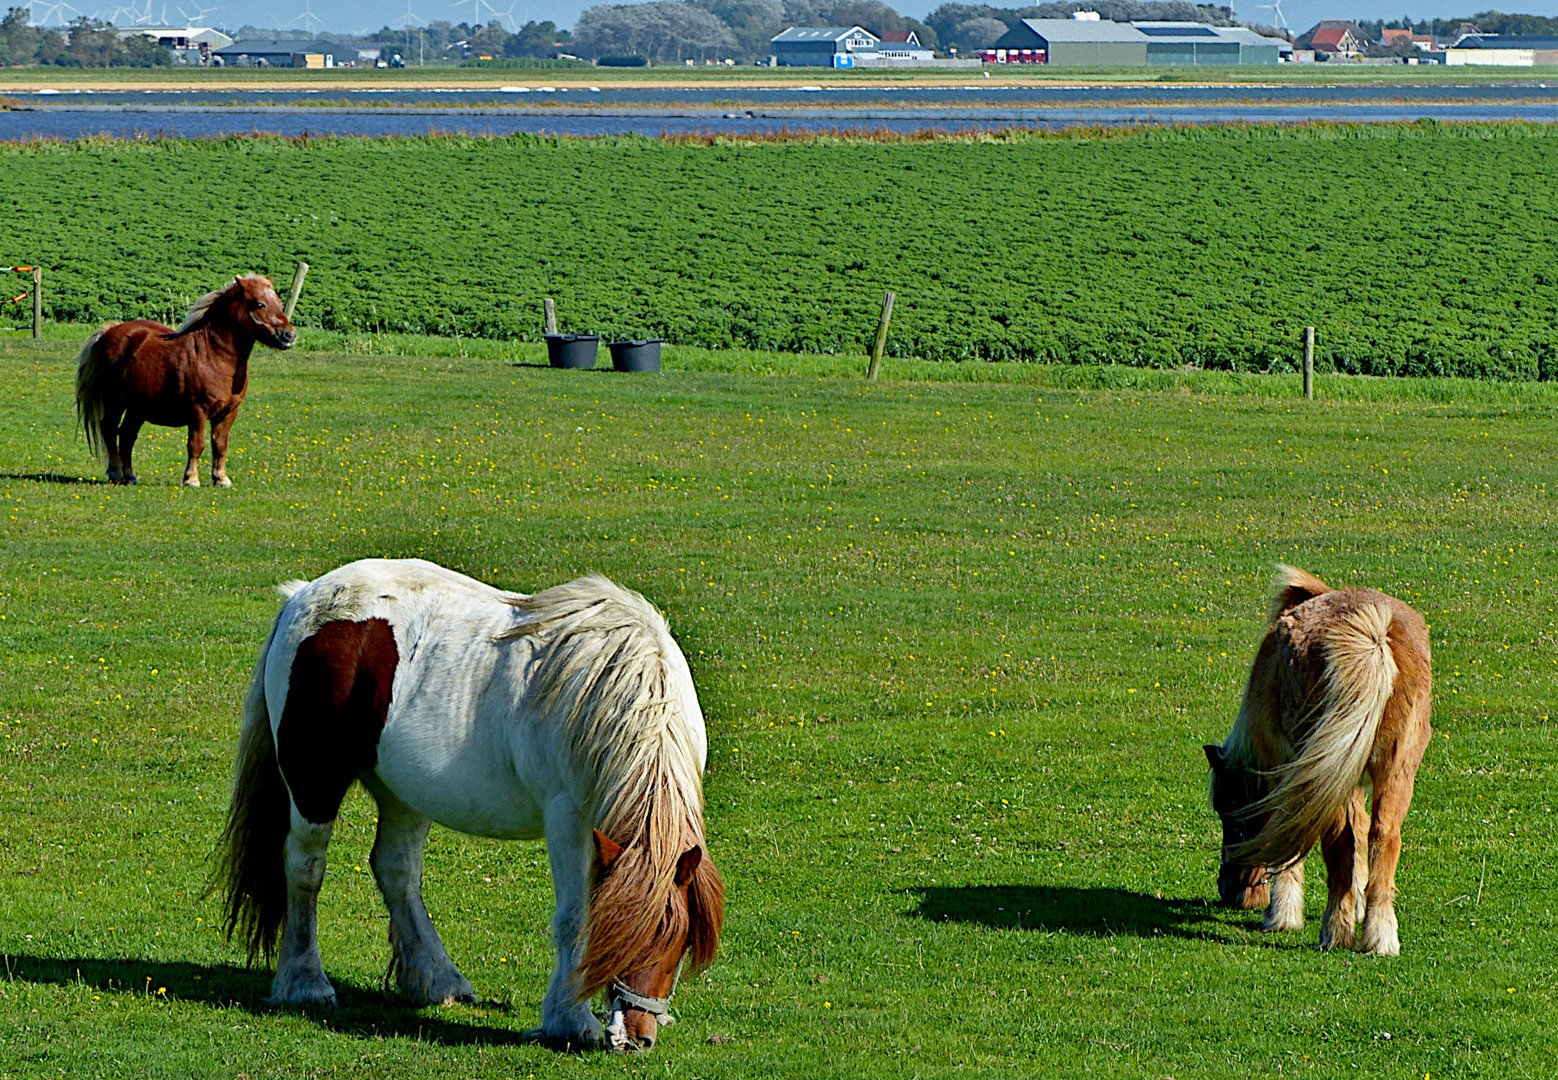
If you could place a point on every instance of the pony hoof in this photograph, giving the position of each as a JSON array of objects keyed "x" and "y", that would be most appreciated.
[
  {"x": 305, "y": 1000},
  {"x": 191, "y": 481},
  {"x": 221, "y": 481}
]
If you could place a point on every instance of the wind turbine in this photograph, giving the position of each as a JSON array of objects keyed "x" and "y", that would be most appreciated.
[
  {"x": 198, "y": 18},
  {"x": 312, "y": 23},
  {"x": 1276, "y": 6},
  {"x": 476, "y": 6},
  {"x": 57, "y": 11},
  {"x": 411, "y": 18}
]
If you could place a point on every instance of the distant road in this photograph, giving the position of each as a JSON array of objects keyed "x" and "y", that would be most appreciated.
[{"x": 21, "y": 80}]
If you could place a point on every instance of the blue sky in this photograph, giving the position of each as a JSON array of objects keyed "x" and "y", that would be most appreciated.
[{"x": 348, "y": 16}]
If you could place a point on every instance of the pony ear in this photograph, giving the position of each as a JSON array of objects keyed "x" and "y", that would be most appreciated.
[
  {"x": 237, "y": 279},
  {"x": 1214, "y": 756},
  {"x": 606, "y": 849},
  {"x": 687, "y": 865}
]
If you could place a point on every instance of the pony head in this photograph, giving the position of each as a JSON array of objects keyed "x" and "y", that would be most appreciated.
[
  {"x": 645, "y": 925},
  {"x": 249, "y": 305},
  {"x": 1235, "y": 788}
]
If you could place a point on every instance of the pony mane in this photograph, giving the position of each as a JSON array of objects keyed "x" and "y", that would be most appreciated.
[
  {"x": 605, "y": 657},
  {"x": 202, "y": 307}
]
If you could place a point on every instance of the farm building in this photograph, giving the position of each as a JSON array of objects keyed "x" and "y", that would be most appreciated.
[
  {"x": 821, "y": 46},
  {"x": 295, "y": 53},
  {"x": 1100, "y": 43},
  {"x": 1257, "y": 48},
  {"x": 188, "y": 44},
  {"x": 1543, "y": 49},
  {"x": 1187, "y": 43},
  {"x": 1338, "y": 37},
  {"x": 178, "y": 37},
  {"x": 841, "y": 47},
  {"x": 1072, "y": 43},
  {"x": 1423, "y": 42}
]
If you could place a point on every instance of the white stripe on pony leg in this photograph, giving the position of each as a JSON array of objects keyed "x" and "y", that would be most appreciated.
[
  {"x": 1286, "y": 911},
  {"x": 300, "y": 976},
  {"x": 570, "y": 849},
  {"x": 421, "y": 966}
]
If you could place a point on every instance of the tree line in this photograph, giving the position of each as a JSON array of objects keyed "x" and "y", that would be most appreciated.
[
  {"x": 1488, "y": 22},
  {"x": 89, "y": 43}
]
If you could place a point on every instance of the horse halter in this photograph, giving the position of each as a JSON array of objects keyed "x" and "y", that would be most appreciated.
[{"x": 659, "y": 1007}]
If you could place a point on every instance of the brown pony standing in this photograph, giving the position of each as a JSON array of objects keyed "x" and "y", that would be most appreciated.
[
  {"x": 142, "y": 372},
  {"x": 1339, "y": 694}
]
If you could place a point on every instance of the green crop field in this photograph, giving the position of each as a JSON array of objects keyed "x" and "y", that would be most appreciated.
[
  {"x": 1423, "y": 249},
  {"x": 959, "y": 643}
]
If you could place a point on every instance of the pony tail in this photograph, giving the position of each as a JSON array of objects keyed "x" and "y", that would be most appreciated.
[
  {"x": 92, "y": 371},
  {"x": 1312, "y": 789},
  {"x": 250, "y": 857}
]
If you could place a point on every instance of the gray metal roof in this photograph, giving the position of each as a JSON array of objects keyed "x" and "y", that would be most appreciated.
[
  {"x": 1507, "y": 41},
  {"x": 1084, "y": 30},
  {"x": 1177, "y": 30},
  {"x": 270, "y": 46},
  {"x": 1245, "y": 36},
  {"x": 822, "y": 33}
]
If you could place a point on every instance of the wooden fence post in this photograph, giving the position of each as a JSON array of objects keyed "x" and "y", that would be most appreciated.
[
  {"x": 1309, "y": 363},
  {"x": 881, "y": 338},
  {"x": 551, "y": 316},
  {"x": 37, "y": 302},
  {"x": 297, "y": 288}
]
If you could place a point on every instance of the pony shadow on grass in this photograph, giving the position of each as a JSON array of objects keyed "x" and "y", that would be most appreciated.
[
  {"x": 1068, "y": 910},
  {"x": 363, "y": 1012},
  {"x": 52, "y": 478}
]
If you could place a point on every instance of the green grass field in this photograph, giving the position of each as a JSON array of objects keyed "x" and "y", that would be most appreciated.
[
  {"x": 1146, "y": 248},
  {"x": 958, "y": 640}
]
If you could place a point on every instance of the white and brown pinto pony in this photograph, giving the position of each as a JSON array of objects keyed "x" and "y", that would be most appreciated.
[
  {"x": 1339, "y": 696},
  {"x": 570, "y": 714}
]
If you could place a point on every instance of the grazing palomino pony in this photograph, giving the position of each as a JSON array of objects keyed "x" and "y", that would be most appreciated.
[
  {"x": 569, "y": 714},
  {"x": 142, "y": 372},
  {"x": 1339, "y": 694}
]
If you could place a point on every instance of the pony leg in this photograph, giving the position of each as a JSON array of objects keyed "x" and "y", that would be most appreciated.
[
  {"x": 219, "y": 431},
  {"x": 300, "y": 976},
  {"x": 1391, "y": 800},
  {"x": 194, "y": 446},
  {"x": 570, "y": 848},
  {"x": 1346, "y": 868},
  {"x": 1286, "y": 911},
  {"x": 421, "y": 966},
  {"x": 108, "y": 431},
  {"x": 128, "y": 432}
]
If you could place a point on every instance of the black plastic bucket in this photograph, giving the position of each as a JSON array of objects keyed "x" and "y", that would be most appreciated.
[
  {"x": 635, "y": 355},
  {"x": 572, "y": 350}
]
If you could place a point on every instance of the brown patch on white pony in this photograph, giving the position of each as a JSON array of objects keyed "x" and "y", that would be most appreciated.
[{"x": 338, "y": 696}]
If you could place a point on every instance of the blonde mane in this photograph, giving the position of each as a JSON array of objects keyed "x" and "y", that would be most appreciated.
[
  {"x": 607, "y": 654},
  {"x": 202, "y": 307}
]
